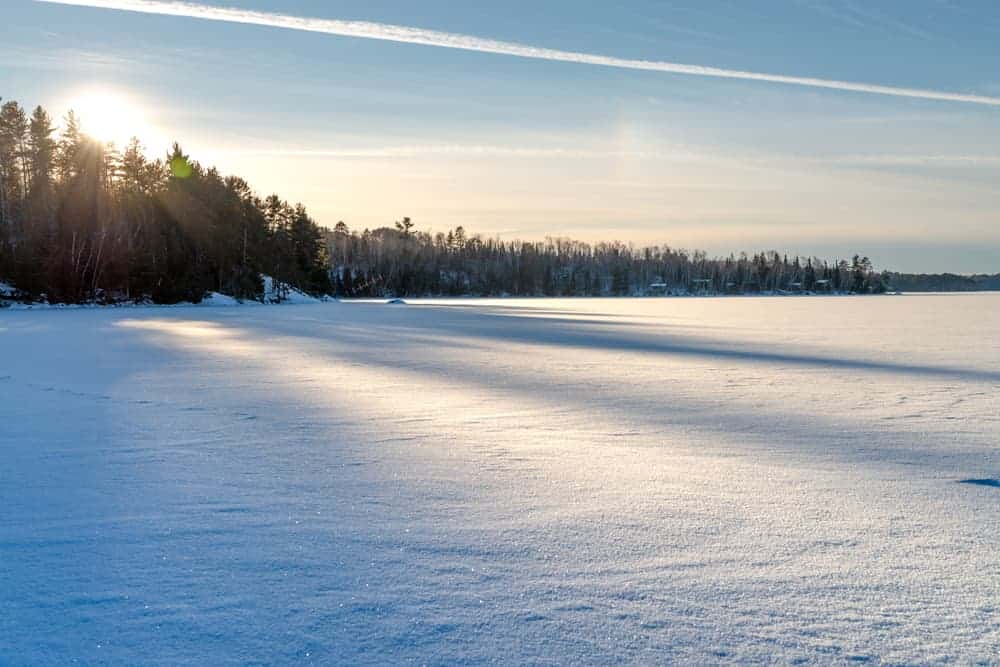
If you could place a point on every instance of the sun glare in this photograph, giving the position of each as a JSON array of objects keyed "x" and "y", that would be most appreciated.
[{"x": 112, "y": 117}]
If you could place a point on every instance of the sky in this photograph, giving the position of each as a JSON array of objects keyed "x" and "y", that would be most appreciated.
[{"x": 370, "y": 130}]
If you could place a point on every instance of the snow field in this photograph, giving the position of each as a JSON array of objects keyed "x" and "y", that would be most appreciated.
[{"x": 524, "y": 481}]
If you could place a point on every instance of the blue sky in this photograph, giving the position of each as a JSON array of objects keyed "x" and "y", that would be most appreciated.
[{"x": 368, "y": 131}]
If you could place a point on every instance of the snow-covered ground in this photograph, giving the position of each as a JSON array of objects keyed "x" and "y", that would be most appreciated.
[
  {"x": 271, "y": 296},
  {"x": 520, "y": 482}
]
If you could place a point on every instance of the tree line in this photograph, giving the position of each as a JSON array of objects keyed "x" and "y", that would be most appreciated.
[
  {"x": 82, "y": 221},
  {"x": 398, "y": 261},
  {"x": 944, "y": 282}
]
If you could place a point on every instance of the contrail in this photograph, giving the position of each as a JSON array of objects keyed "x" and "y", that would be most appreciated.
[{"x": 396, "y": 33}]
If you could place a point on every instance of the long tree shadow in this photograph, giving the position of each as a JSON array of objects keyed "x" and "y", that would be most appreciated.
[
  {"x": 388, "y": 343},
  {"x": 490, "y": 325},
  {"x": 992, "y": 483}
]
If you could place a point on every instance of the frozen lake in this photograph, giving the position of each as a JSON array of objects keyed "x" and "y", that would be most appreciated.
[{"x": 524, "y": 481}]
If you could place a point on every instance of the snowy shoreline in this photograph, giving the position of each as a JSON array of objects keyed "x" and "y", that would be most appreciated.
[
  {"x": 217, "y": 300},
  {"x": 271, "y": 297}
]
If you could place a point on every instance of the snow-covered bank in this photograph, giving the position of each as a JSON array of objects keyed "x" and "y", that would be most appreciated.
[
  {"x": 540, "y": 481},
  {"x": 272, "y": 295},
  {"x": 291, "y": 296}
]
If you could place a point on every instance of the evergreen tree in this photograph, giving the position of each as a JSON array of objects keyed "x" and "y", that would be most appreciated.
[
  {"x": 13, "y": 175},
  {"x": 42, "y": 153},
  {"x": 70, "y": 143}
]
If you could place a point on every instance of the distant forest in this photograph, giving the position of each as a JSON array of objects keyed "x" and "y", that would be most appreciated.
[
  {"x": 399, "y": 261},
  {"x": 942, "y": 282},
  {"x": 85, "y": 222}
]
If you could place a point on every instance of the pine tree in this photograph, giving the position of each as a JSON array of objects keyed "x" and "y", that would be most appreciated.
[
  {"x": 13, "y": 176},
  {"x": 70, "y": 143},
  {"x": 405, "y": 226},
  {"x": 42, "y": 154}
]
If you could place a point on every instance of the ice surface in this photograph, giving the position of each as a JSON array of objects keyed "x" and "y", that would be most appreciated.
[{"x": 525, "y": 482}]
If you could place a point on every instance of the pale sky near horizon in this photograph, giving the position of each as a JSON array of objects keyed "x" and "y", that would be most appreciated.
[{"x": 369, "y": 131}]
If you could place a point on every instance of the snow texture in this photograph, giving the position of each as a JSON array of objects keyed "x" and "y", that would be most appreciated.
[
  {"x": 217, "y": 299},
  {"x": 579, "y": 482}
]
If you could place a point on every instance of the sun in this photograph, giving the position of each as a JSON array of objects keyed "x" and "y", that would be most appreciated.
[{"x": 111, "y": 117}]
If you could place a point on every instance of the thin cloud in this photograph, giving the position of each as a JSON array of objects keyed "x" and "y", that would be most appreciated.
[
  {"x": 463, "y": 151},
  {"x": 62, "y": 59},
  {"x": 918, "y": 160},
  {"x": 419, "y": 151},
  {"x": 670, "y": 154},
  {"x": 409, "y": 35},
  {"x": 863, "y": 17}
]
